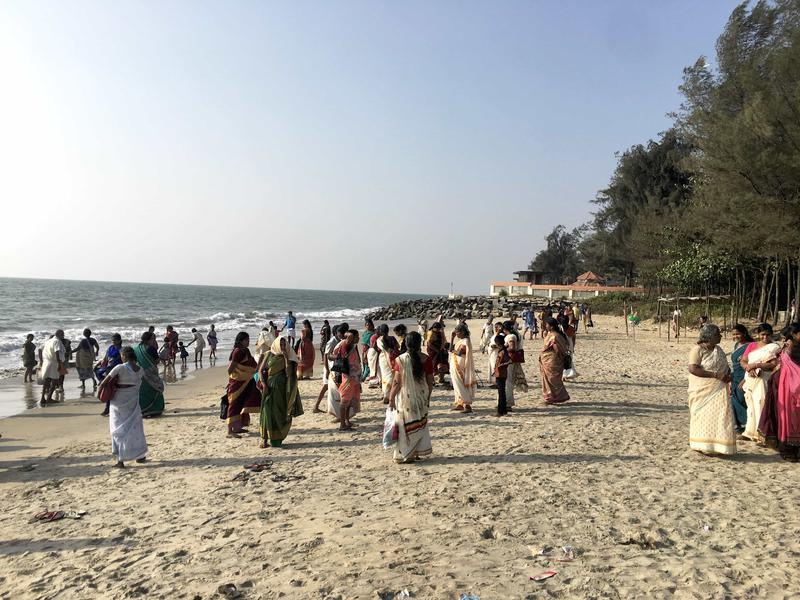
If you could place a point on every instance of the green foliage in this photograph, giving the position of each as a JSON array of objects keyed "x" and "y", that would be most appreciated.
[{"x": 560, "y": 261}]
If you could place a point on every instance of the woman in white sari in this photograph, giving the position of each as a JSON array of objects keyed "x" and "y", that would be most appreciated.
[
  {"x": 497, "y": 329},
  {"x": 388, "y": 350},
  {"x": 411, "y": 396},
  {"x": 711, "y": 429},
  {"x": 125, "y": 416},
  {"x": 462, "y": 370},
  {"x": 758, "y": 361}
]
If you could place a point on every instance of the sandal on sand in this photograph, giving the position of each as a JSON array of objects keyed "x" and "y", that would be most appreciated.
[
  {"x": 49, "y": 516},
  {"x": 467, "y": 409}
]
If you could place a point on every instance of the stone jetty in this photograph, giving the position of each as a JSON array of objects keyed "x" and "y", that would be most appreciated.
[{"x": 468, "y": 307}]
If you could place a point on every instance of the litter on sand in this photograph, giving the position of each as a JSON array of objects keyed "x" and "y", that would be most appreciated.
[
  {"x": 464, "y": 596},
  {"x": 543, "y": 575}
]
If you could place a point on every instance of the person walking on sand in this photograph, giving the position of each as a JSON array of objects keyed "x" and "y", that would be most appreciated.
[
  {"x": 212, "y": 343},
  {"x": 411, "y": 397},
  {"x": 436, "y": 347},
  {"x": 388, "y": 350},
  {"x": 502, "y": 362},
  {"x": 112, "y": 358},
  {"x": 306, "y": 353},
  {"x": 54, "y": 366},
  {"x": 348, "y": 358},
  {"x": 199, "y": 345},
  {"x": 516, "y": 376},
  {"x": 280, "y": 401},
  {"x": 324, "y": 336},
  {"x": 264, "y": 342},
  {"x": 151, "y": 391},
  {"x": 551, "y": 363},
  {"x": 289, "y": 324},
  {"x": 243, "y": 394},
  {"x": 710, "y": 414},
  {"x": 487, "y": 334},
  {"x": 125, "y": 419},
  {"x": 329, "y": 387},
  {"x": 494, "y": 350},
  {"x": 369, "y": 354},
  {"x": 29, "y": 358},
  {"x": 462, "y": 370}
]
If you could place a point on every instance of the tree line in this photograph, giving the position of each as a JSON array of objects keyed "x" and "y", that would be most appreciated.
[{"x": 713, "y": 205}]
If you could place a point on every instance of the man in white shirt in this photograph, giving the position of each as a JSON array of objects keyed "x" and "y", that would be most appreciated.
[{"x": 54, "y": 358}]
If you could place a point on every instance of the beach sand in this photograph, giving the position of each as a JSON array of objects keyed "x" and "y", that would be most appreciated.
[{"x": 609, "y": 473}]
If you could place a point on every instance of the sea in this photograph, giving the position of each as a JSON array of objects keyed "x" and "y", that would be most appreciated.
[{"x": 40, "y": 306}]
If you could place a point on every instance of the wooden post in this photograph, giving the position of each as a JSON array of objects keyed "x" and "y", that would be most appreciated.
[
  {"x": 625, "y": 317},
  {"x": 658, "y": 316}
]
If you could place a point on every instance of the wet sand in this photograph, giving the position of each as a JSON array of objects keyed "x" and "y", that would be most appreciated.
[{"x": 609, "y": 473}]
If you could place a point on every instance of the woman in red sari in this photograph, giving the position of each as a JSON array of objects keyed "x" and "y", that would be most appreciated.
[
  {"x": 780, "y": 417},
  {"x": 243, "y": 395},
  {"x": 306, "y": 352},
  {"x": 436, "y": 347}
]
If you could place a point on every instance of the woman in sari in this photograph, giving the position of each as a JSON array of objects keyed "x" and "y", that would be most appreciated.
[
  {"x": 410, "y": 396},
  {"x": 369, "y": 355},
  {"x": 243, "y": 395},
  {"x": 387, "y": 348},
  {"x": 780, "y": 419},
  {"x": 84, "y": 359},
  {"x": 280, "y": 401},
  {"x": 462, "y": 371},
  {"x": 741, "y": 339},
  {"x": 349, "y": 382},
  {"x": 758, "y": 361},
  {"x": 125, "y": 422},
  {"x": 151, "y": 391},
  {"x": 497, "y": 329},
  {"x": 551, "y": 363},
  {"x": 710, "y": 413},
  {"x": 112, "y": 358},
  {"x": 515, "y": 378},
  {"x": 437, "y": 351},
  {"x": 306, "y": 352},
  {"x": 212, "y": 343}
]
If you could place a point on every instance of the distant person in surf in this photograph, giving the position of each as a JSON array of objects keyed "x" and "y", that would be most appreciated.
[
  {"x": 212, "y": 343},
  {"x": 85, "y": 355},
  {"x": 52, "y": 357},
  {"x": 171, "y": 342},
  {"x": 199, "y": 345},
  {"x": 29, "y": 357},
  {"x": 289, "y": 325}
]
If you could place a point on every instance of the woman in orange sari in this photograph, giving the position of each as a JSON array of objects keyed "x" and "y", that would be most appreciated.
[
  {"x": 551, "y": 363},
  {"x": 243, "y": 395},
  {"x": 349, "y": 381},
  {"x": 306, "y": 352}
]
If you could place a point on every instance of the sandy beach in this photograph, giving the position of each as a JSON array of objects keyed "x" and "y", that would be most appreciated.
[{"x": 609, "y": 473}]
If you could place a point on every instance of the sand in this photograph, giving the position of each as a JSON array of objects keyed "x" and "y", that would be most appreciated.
[{"x": 609, "y": 473}]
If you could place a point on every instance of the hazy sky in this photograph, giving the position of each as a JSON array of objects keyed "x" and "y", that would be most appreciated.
[{"x": 387, "y": 146}]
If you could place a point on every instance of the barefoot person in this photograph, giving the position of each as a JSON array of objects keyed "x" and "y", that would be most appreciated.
[
  {"x": 199, "y": 345},
  {"x": 53, "y": 359},
  {"x": 329, "y": 389},
  {"x": 29, "y": 358},
  {"x": 411, "y": 396},
  {"x": 113, "y": 358},
  {"x": 151, "y": 391},
  {"x": 758, "y": 361},
  {"x": 346, "y": 357},
  {"x": 551, "y": 363},
  {"x": 212, "y": 343},
  {"x": 711, "y": 429},
  {"x": 280, "y": 401},
  {"x": 85, "y": 356},
  {"x": 243, "y": 395},
  {"x": 462, "y": 370},
  {"x": 780, "y": 418},
  {"x": 388, "y": 350},
  {"x": 306, "y": 353},
  {"x": 125, "y": 418}
]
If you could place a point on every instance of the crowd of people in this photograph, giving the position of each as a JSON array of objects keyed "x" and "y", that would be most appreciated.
[
  {"x": 753, "y": 399},
  {"x": 126, "y": 379},
  {"x": 401, "y": 366}
]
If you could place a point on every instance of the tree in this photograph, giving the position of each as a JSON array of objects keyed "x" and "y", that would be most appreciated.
[{"x": 559, "y": 261}]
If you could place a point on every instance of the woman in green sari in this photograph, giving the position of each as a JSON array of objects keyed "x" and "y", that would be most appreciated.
[
  {"x": 151, "y": 392},
  {"x": 280, "y": 401}
]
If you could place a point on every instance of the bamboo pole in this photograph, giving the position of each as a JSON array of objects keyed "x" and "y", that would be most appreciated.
[{"x": 625, "y": 317}]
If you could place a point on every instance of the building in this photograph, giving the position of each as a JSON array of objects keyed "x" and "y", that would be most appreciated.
[{"x": 586, "y": 285}]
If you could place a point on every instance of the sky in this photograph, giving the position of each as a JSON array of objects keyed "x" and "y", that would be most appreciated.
[{"x": 382, "y": 146}]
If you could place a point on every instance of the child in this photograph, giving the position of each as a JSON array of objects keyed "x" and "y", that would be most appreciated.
[
  {"x": 501, "y": 373},
  {"x": 184, "y": 353},
  {"x": 29, "y": 357}
]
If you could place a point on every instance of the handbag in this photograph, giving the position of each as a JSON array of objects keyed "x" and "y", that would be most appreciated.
[
  {"x": 517, "y": 356},
  {"x": 340, "y": 364},
  {"x": 391, "y": 431},
  {"x": 223, "y": 407},
  {"x": 567, "y": 361},
  {"x": 109, "y": 390}
]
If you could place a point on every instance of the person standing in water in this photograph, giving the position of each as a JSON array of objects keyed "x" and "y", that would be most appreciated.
[
  {"x": 212, "y": 343},
  {"x": 199, "y": 345},
  {"x": 29, "y": 357}
]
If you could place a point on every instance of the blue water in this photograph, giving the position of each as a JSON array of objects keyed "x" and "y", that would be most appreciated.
[{"x": 40, "y": 306}]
